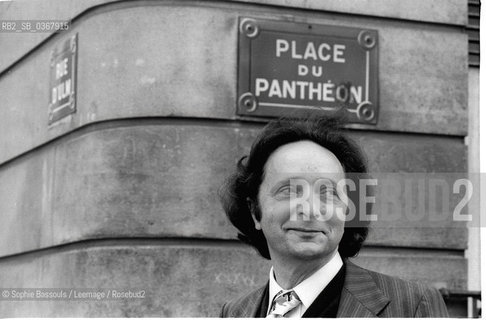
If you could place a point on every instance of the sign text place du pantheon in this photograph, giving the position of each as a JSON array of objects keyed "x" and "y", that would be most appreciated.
[{"x": 287, "y": 68}]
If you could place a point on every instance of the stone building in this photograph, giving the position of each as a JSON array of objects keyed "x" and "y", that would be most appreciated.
[{"x": 117, "y": 188}]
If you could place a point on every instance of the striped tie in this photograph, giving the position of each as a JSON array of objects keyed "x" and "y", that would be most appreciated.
[{"x": 283, "y": 303}]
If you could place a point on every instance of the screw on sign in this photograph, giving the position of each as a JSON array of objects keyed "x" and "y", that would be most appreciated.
[
  {"x": 249, "y": 27},
  {"x": 366, "y": 39},
  {"x": 365, "y": 111},
  {"x": 248, "y": 101}
]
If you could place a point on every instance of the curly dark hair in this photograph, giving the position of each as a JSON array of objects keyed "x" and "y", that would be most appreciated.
[{"x": 245, "y": 183}]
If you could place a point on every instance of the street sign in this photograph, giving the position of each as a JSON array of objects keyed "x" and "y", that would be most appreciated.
[
  {"x": 62, "y": 85},
  {"x": 287, "y": 68}
]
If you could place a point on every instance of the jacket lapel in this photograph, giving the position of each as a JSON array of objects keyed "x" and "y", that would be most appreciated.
[
  {"x": 360, "y": 297},
  {"x": 253, "y": 306},
  {"x": 262, "y": 310}
]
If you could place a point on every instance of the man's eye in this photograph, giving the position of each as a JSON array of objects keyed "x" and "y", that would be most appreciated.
[
  {"x": 328, "y": 193},
  {"x": 285, "y": 190},
  {"x": 289, "y": 190}
]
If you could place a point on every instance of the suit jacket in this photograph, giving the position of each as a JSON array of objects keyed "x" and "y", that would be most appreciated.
[{"x": 365, "y": 294}]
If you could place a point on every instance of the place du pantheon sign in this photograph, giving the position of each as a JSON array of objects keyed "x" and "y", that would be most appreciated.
[{"x": 287, "y": 68}]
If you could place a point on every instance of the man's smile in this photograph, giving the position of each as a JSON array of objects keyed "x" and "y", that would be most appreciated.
[{"x": 305, "y": 230}]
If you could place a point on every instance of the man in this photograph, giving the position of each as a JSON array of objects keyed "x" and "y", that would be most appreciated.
[{"x": 309, "y": 244}]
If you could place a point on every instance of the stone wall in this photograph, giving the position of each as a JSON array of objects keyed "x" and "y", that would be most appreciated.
[{"x": 123, "y": 193}]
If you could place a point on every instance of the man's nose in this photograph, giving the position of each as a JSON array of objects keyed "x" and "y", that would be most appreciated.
[
  {"x": 308, "y": 208},
  {"x": 318, "y": 207},
  {"x": 322, "y": 208}
]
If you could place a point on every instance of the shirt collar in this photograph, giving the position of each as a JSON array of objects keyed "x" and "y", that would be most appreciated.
[{"x": 311, "y": 287}]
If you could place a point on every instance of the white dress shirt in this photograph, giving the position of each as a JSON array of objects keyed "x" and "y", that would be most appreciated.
[{"x": 310, "y": 288}]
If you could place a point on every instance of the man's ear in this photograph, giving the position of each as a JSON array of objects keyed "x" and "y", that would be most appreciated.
[{"x": 254, "y": 213}]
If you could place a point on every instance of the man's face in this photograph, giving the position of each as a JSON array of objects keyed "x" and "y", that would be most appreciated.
[{"x": 305, "y": 236}]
